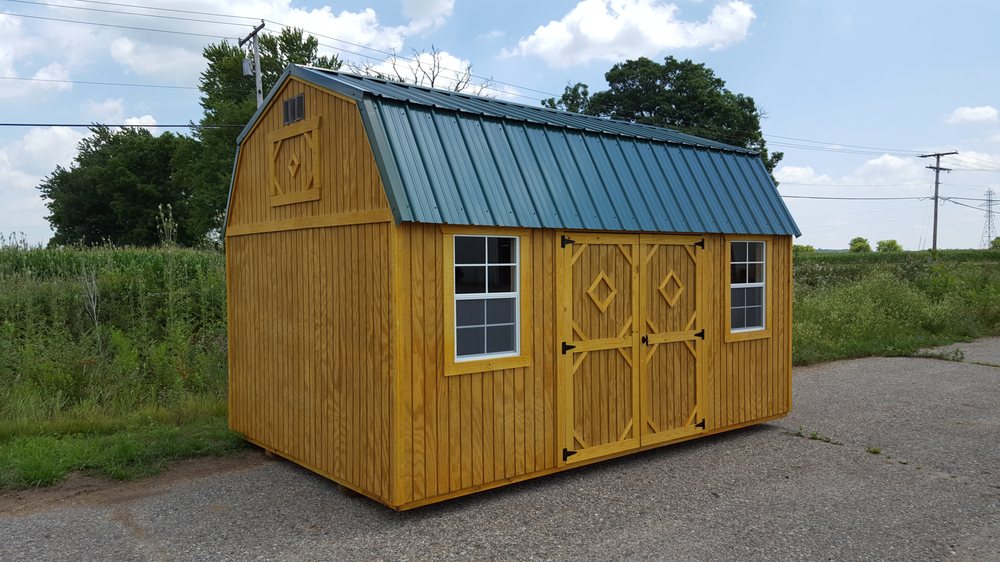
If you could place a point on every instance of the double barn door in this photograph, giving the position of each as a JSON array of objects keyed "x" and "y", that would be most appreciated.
[{"x": 630, "y": 341}]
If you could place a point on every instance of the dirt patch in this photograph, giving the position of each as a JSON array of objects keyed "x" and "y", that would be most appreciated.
[{"x": 80, "y": 489}]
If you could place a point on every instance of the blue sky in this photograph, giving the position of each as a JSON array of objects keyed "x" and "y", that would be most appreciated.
[{"x": 894, "y": 77}]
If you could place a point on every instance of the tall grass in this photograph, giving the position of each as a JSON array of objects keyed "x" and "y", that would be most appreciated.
[
  {"x": 109, "y": 341},
  {"x": 844, "y": 309}
]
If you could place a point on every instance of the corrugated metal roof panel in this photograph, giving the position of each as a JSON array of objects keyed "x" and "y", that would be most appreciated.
[{"x": 457, "y": 159}]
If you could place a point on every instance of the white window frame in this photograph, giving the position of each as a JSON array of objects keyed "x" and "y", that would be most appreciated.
[
  {"x": 762, "y": 285},
  {"x": 515, "y": 294}
]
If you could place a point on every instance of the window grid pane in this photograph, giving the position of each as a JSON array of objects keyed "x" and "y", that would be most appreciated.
[
  {"x": 486, "y": 296},
  {"x": 747, "y": 278}
]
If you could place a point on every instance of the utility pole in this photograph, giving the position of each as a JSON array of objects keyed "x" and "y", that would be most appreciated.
[
  {"x": 989, "y": 229},
  {"x": 937, "y": 182},
  {"x": 256, "y": 60}
]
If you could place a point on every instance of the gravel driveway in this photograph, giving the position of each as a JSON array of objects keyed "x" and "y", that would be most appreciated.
[{"x": 905, "y": 464}]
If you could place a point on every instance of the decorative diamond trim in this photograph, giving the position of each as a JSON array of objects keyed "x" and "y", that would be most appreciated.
[
  {"x": 592, "y": 292},
  {"x": 671, "y": 299},
  {"x": 293, "y": 165}
]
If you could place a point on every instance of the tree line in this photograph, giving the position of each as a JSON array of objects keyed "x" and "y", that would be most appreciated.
[{"x": 121, "y": 180}]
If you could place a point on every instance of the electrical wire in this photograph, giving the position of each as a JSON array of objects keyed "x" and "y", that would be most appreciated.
[
  {"x": 156, "y": 126},
  {"x": 175, "y": 10},
  {"x": 95, "y": 83},
  {"x": 134, "y": 28},
  {"x": 107, "y": 11},
  {"x": 980, "y": 209},
  {"x": 855, "y": 198}
]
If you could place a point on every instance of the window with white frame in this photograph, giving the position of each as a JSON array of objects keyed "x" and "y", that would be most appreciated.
[
  {"x": 486, "y": 296},
  {"x": 746, "y": 276}
]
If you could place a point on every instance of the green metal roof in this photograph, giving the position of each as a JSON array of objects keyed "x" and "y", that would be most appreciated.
[{"x": 452, "y": 158}]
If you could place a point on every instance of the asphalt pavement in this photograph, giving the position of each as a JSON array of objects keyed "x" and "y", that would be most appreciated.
[{"x": 883, "y": 458}]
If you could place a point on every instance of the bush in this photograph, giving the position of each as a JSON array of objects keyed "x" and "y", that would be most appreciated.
[
  {"x": 859, "y": 244},
  {"x": 888, "y": 246},
  {"x": 844, "y": 310}
]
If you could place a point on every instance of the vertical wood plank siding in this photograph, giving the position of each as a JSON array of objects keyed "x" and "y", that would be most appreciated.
[
  {"x": 470, "y": 430},
  {"x": 349, "y": 176},
  {"x": 309, "y": 308},
  {"x": 466, "y": 432},
  {"x": 749, "y": 380}
]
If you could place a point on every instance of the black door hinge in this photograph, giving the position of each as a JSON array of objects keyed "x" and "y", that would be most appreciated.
[
  {"x": 700, "y": 334},
  {"x": 567, "y": 454},
  {"x": 566, "y": 241},
  {"x": 645, "y": 340},
  {"x": 701, "y": 424},
  {"x": 700, "y": 244},
  {"x": 566, "y": 347}
]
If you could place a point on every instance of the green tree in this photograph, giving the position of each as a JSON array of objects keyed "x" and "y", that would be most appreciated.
[
  {"x": 229, "y": 101},
  {"x": 888, "y": 246},
  {"x": 859, "y": 244},
  {"x": 995, "y": 243},
  {"x": 114, "y": 187},
  {"x": 799, "y": 249},
  {"x": 678, "y": 94},
  {"x": 575, "y": 98}
]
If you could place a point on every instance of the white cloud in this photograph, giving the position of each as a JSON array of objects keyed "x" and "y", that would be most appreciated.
[
  {"x": 427, "y": 14},
  {"x": 800, "y": 174},
  {"x": 23, "y": 165},
  {"x": 179, "y": 64},
  {"x": 40, "y": 150},
  {"x": 613, "y": 30},
  {"x": 111, "y": 110},
  {"x": 890, "y": 170},
  {"x": 978, "y": 114}
]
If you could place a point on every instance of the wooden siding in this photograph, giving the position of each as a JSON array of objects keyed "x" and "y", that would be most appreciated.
[
  {"x": 463, "y": 433},
  {"x": 309, "y": 329},
  {"x": 749, "y": 380},
  {"x": 467, "y": 431},
  {"x": 349, "y": 181},
  {"x": 309, "y": 295}
]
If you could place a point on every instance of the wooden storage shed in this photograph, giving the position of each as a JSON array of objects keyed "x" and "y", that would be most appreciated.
[{"x": 432, "y": 293}]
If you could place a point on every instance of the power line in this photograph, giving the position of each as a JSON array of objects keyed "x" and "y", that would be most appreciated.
[
  {"x": 969, "y": 206},
  {"x": 838, "y": 144},
  {"x": 175, "y": 10},
  {"x": 855, "y": 198},
  {"x": 156, "y": 126},
  {"x": 95, "y": 83},
  {"x": 107, "y": 11},
  {"x": 912, "y": 184},
  {"x": 134, "y": 28}
]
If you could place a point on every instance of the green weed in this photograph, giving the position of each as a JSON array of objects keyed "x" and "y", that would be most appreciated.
[{"x": 112, "y": 360}]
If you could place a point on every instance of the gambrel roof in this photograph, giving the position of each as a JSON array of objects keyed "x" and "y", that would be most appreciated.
[{"x": 453, "y": 158}]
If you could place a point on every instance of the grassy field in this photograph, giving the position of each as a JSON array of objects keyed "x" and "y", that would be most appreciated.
[
  {"x": 114, "y": 360},
  {"x": 857, "y": 305},
  {"x": 111, "y": 360}
]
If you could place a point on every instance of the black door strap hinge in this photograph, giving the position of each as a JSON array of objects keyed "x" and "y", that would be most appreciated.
[
  {"x": 700, "y": 244},
  {"x": 567, "y": 454},
  {"x": 700, "y": 334},
  {"x": 566, "y": 347},
  {"x": 701, "y": 424},
  {"x": 645, "y": 340},
  {"x": 566, "y": 241}
]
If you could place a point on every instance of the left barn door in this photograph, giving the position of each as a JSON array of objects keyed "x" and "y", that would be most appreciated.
[{"x": 599, "y": 309}]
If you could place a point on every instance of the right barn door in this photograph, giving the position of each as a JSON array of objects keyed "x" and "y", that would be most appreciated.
[{"x": 670, "y": 371}]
